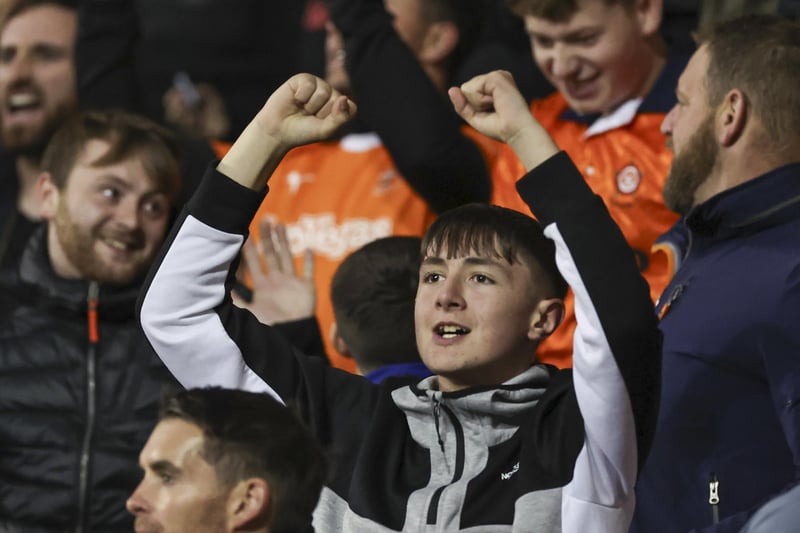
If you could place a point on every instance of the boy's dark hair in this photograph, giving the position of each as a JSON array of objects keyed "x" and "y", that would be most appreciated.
[
  {"x": 249, "y": 434},
  {"x": 555, "y": 10},
  {"x": 373, "y": 293},
  {"x": 494, "y": 231},
  {"x": 760, "y": 56},
  {"x": 128, "y": 134}
]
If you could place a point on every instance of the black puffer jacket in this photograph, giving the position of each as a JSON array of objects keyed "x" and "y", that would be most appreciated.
[{"x": 74, "y": 414}]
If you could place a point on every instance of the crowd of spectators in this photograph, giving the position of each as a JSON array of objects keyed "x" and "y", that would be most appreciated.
[{"x": 399, "y": 265}]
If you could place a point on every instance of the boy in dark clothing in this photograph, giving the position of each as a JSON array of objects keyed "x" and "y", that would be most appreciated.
[{"x": 491, "y": 441}]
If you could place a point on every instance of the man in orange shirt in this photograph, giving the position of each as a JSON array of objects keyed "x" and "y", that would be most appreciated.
[
  {"x": 405, "y": 163},
  {"x": 615, "y": 84}
]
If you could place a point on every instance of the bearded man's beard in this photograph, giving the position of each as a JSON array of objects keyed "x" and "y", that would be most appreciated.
[{"x": 691, "y": 168}]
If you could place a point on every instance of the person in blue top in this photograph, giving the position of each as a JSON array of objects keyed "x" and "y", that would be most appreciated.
[
  {"x": 373, "y": 293},
  {"x": 727, "y": 437}
]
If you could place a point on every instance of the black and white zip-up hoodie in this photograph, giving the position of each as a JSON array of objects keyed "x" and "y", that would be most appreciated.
[{"x": 546, "y": 451}]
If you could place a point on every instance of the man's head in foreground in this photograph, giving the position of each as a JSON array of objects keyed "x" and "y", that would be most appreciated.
[
  {"x": 489, "y": 292},
  {"x": 224, "y": 460},
  {"x": 737, "y": 114}
]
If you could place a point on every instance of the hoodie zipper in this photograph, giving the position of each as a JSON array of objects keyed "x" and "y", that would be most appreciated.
[
  {"x": 713, "y": 497},
  {"x": 438, "y": 407},
  {"x": 436, "y": 413},
  {"x": 91, "y": 386}
]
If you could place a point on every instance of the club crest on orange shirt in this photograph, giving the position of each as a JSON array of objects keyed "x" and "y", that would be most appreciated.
[{"x": 628, "y": 179}]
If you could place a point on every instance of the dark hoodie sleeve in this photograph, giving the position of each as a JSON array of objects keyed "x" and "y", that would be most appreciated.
[{"x": 413, "y": 118}]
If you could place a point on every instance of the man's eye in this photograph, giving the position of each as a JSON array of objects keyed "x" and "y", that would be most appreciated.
[
  {"x": 587, "y": 40},
  {"x": 155, "y": 208},
  {"x": 50, "y": 54},
  {"x": 542, "y": 42},
  {"x": 166, "y": 478},
  {"x": 110, "y": 193},
  {"x": 6, "y": 56}
]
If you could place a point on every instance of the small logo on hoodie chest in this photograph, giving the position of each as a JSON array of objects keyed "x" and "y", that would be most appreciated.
[{"x": 505, "y": 476}]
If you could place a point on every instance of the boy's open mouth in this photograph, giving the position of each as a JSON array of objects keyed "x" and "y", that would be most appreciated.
[{"x": 450, "y": 331}]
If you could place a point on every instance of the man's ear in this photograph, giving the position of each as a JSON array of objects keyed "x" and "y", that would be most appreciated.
[
  {"x": 249, "y": 505},
  {"x": 338, "y": 342},
  {"x": 649, "y": 14},
  {"x": 548, "y": 315},
  {"x": 441, "y": 38},
  {"x": 731, "y": 117},
  {"x": 48, "y": 194}
]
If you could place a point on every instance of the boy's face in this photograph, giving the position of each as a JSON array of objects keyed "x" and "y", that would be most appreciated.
[
  {"x": 474, "y": 319},
  {"x": 594, "y": 58},
  {"x": 179, "y": 491},
  {"x": 108, "y": 221}
]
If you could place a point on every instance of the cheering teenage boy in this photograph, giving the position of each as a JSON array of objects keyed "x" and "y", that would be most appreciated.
[{"x": 491, "y": 441}]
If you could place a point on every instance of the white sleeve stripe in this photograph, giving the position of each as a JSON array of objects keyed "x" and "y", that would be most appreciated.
[
  {"x": 179, "y": 320},
  {"x": 605, "y": 470}
]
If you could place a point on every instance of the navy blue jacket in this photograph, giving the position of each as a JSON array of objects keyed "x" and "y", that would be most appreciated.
[{"x": 731, "y": 378}]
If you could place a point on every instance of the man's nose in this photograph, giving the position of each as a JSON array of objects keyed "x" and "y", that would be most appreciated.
[
  {"x": 136, "y": 503},
  {"x": 668, "y": 122},
  {"x": 562, "y": 61},
  {"x": 128, "y": 213},
  {"x": 18, "y": 68}
]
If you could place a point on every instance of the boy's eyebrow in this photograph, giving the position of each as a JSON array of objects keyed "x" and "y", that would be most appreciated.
[
  {"x": 432, "y": 260},
  {"x": 481, "y": 261},
  {"x": 477, "y": 261}
]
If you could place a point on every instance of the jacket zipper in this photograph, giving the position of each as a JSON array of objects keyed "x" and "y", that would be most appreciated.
[
  {"x": 713, "y": 497},
  {"x": 438, "y": 406},
  {"x": 91, "y": 386},
  {"x": 673, "y": 297}
]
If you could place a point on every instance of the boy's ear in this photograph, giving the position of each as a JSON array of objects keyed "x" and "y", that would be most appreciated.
[
  {"x": 441, "y": 38},
  {"x": 249, "y": 505},
  {"x": 545, "y": 319},
  {"x": 649, "y": 14},
  {"x": 338, "y": 342},
  {"x": 49, "y": 195}
]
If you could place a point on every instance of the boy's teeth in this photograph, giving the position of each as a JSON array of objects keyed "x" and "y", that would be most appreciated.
[{"x": 448, "y": 332}]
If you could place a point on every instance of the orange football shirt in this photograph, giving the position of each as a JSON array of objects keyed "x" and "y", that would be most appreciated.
[{"x": 627, "y": 167}]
